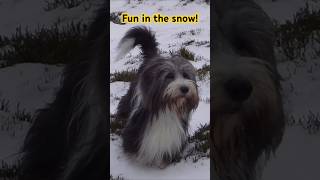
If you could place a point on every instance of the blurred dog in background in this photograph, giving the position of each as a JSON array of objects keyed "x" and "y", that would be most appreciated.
[
  {"x": 68, "y": 139},
  {"x": 248, "y": 119}
]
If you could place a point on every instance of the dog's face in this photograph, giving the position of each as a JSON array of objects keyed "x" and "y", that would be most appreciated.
[
  {"x": 169, "y": 83},
  {"x": 247, "y": 111}
]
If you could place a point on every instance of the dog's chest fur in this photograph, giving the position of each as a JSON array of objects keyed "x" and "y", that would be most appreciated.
[{"x": 164, "y": 136}]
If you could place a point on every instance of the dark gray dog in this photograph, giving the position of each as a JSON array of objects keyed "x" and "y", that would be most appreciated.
[
  {"x": 248, "y": 119},
  {"x": 156, "y": 109}
]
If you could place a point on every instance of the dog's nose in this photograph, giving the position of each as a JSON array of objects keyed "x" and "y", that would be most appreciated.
[
  {"x": 184, "y": 89},
  {"x": 239, "y": 89}
]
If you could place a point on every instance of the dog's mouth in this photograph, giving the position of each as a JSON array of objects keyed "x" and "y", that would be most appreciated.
[
  {"x": 182, "y": 105},
  {"x": 183, "y": 102},
  {"x": 183, "y": 96}
]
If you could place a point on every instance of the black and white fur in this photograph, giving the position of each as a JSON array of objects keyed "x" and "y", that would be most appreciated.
[
  {"x": 158, "y": 104},
  {"x": 68, "y": 139},
  {"x": 248, "y": 119}
]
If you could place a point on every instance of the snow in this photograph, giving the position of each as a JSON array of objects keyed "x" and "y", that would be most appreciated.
[
  {"x": 283, "y": 10},
  {"x": 298, "y": 155},
  {"x": 30, "y": 86},
  {"x": 120, "y": 165},
  {"x": 31, "y": 13}
]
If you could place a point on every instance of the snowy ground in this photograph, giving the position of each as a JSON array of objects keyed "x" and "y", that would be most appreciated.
[
  {"x": 31, "y": 86},
  {"x": 32, "y": 13},
  {"x": 169, "y": 38},
  {"x": 298, "y": 156}
]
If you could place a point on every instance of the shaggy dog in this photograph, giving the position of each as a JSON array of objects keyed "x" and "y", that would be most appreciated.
[
  {"x": 248, "y": 119},
  {"x": 157, "y": 106},
  {"x": 68, "y": 139}
]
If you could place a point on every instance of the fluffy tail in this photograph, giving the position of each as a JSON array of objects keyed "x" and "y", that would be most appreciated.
[{"x": 139, "y": 35}]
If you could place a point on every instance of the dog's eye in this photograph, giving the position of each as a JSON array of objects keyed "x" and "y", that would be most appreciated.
[
  {"x": 170, "y": 76},
  {"x": 185, "y": 75}
]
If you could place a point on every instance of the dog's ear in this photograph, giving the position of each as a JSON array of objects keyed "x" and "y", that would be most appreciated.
[{"x": 142, "y": 36}]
